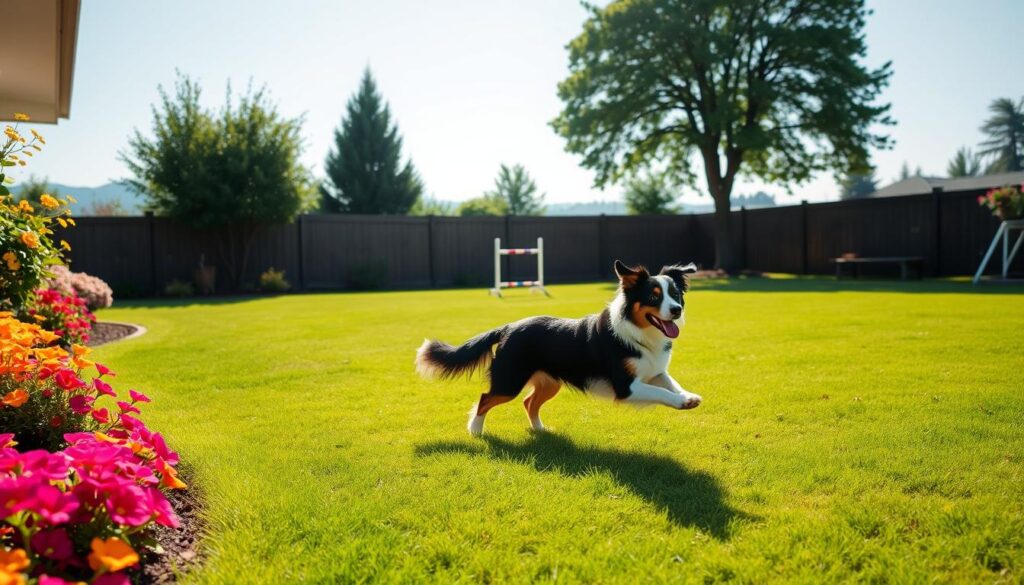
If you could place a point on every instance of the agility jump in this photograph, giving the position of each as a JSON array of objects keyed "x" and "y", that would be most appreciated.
[{"x": 537, "y": 285}]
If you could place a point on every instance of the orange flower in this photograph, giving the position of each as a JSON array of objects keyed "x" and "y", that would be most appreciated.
[
  {"x": 15, "y": 398},
  {"x": 19, "y": 117},
  {"x": 12, "y": 261},
  {"x": 12, "y": 561},
  {"x": 30, "y": 239},
  {"x": 112, "y": 554},
  {"x": 170, "y": 477},
  {"x": 25, "y": 206},
  {"x": 48, "y": 201}
]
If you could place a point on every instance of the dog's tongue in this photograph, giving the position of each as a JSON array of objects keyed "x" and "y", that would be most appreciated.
[{"x": 670, "y": 329}]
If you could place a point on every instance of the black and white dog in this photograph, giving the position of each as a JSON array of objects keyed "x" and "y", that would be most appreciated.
[{"x": 620, "y": 353}]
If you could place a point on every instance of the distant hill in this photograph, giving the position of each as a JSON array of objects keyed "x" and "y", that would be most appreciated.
[
  {"x": 591, "y": 208},
  {"x": 89, "y": 197}
]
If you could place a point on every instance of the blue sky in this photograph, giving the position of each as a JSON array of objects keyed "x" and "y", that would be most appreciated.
[{"x": 472, "y": 82}]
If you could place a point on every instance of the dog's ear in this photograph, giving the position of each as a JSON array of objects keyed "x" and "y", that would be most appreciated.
[
  {"x": 630, "y": 276},
  {"x": 679, "y": 274}
]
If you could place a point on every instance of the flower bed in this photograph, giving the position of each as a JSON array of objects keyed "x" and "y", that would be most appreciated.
[
  {"x": 82, "y": 479},
  {"x": 96, "y": 293}
]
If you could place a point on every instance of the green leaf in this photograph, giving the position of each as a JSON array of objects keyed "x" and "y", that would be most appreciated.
[
  {"x": 4, "y": 190},
  {"x": 6, "y": 163}
]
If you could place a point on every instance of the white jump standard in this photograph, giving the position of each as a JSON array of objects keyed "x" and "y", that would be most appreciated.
[{"x": 532, "y": 284}]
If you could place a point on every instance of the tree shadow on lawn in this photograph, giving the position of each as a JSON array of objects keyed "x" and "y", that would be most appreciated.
[{"x": 691, "y": 498}]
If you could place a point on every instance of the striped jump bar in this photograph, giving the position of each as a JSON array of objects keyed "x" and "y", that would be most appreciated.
[{"x": 533, "y": 284}]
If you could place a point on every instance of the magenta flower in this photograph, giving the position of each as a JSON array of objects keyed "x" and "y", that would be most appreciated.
[
  {"x": 138, "y": 396},
  {"x": 128, "y": 505},
  {"x": 101, "y": 415},
  {"x": 67, "y": 380},
  {"x": 48, "y": 580},
  {"x": 126, "y": 407},
  {"x": 118, "y": 578},
  {"x": 53, "y": 505},
  {"x": 80, "y": 404},
  {"x": 16, "y": 494},
  {"x": 104, "y": 370},
  {"x": 53, "y": 544},
  {"x": 161, "y": 508},
  {"x": 103, "y": 388}
]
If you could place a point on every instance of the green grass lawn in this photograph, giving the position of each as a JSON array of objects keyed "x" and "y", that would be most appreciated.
[{"x": 862, "y": 431}]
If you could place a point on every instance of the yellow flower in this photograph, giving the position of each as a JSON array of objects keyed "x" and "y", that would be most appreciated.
[
  {"x": 30, "y": 239},
  {"x": 48, "y": 202},
  {"x": 38, "y": 136},
  {"x": 25, "y": 206},
  {"x": 16, "y": 398},
  {"x": 112, "y": 554},
  {"x": 64, "y": 244},
  {"x": 27, "y": 153},
  {"x": 39, "y": 317},
  {"x": 19, "y": 117},
  {"x": 62, "y": 223},
  {"x": 12, "y": 261},
  {"x": 71, "y": 221}
]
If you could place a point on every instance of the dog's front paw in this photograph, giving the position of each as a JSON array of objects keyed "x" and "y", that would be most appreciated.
[{"x": 688, "y": 401}]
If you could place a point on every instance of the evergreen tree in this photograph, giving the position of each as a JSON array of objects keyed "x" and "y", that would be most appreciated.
[
  {"x": 365, "y": 173},
  {"x": 964, "y": 164},
  {"x": 856, "y": 186},
  {"x": 518, "y": 190},
  {"x": 1005, "y": 129}
]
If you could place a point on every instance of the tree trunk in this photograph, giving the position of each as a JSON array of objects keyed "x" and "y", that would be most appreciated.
[{"x": 726, "y": 257}]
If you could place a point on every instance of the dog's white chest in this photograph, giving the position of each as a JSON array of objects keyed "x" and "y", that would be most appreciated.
[{"x": 652, "y": 363}]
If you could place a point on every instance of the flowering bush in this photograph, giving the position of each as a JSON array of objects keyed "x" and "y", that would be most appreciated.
[
  {"x": 273, "y": 281},
  {"x": 26, "y": 248},
  {"x": 96, "y": 293},
  {"x": 77, "y": 503},
  {"x": 1005, "y": 202},
  {"x": 66, "y": 315}
]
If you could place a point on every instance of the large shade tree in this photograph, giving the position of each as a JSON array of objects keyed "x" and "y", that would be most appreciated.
[
  {"x": 233, "y": 172},
  {"x": 365, "y": 173},
  {"x": 651, "y": 194},
  {"x": 1004, "y": 146},
  {"x": 773, "y": 88}
]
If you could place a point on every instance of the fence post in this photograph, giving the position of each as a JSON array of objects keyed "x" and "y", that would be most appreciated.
[
  {"x": 937, "y": 239},
  {"x": 602, "y": 246},
  {"x": 803, "y": 231},
  {"x": 302, "y": 256},
  {"x": 430, "y": 250},
  {"x": 743, "y": 236},
  {"x": 154, "y": 286}
]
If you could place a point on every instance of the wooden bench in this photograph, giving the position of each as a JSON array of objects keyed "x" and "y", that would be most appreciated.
[{"x": 904, "y": 261}]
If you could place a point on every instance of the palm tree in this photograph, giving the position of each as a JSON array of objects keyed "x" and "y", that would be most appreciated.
[
  {"x": 964, "y": 164},
  {"x": 1005, "y": 130}
]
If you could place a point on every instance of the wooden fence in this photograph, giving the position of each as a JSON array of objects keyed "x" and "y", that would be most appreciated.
[{"x": 140, "y": 255}]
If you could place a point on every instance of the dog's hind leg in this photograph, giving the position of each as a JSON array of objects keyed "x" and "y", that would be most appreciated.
[
  {"x": 544, "y": 388},
  {"x": 507, "y": 381}
]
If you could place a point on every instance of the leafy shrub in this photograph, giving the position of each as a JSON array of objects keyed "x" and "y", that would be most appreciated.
[
  {"x": 65, "y": 315},
  {"x": 177, "y": 288},
  {"x": 26, "y": 248},
  {"x": 273, "y": 281},
  {"x": 96, "y": 293},
  {"x": 78, "y": 500}
]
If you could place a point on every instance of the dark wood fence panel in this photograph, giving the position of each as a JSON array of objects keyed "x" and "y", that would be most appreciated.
[
  {"x": 340, "y": 251},
  {"x": 463, "y": 249},
  {"x": 774, "y": 239},
  {"x": 572, "y": 250},
  {"x": 897, "y": 226},
  {"x": 116, "y": 249},
  {"x": 967, "y": 230},
  {"x": 653, "y": 240}
]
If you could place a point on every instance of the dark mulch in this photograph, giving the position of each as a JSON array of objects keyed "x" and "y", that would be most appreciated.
[
  {"x": 106, "y": 332},
  {"x": 180, "y": 546}
]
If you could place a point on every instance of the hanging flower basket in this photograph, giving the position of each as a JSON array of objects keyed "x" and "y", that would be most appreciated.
[{"x": 1006, "y": 203}]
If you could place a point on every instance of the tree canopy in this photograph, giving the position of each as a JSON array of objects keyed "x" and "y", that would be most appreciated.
[
  {"x": 236, "y": 169},
  {"x": 486, "y": 205},
  {"x": 650, "y": 195},
  {"x": 775, "y": 88},
  {"x": 1004, "y": 146},
  {"x": 857, "y": 185},
  {"x": 364, "y": 170},
  {"x": 964, "y": 164}
]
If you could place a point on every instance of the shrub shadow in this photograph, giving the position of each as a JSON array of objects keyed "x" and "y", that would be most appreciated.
[{"x": 690, "y": 498}]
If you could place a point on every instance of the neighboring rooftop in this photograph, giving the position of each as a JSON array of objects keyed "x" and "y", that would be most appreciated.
[{"x": 920, "y": 185}]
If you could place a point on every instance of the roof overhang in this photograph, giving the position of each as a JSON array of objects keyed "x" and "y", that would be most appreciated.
[{"x": 37, "y": 58}]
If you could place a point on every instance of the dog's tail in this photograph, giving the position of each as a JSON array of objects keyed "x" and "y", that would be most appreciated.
[{"x": 437, "y": 359}]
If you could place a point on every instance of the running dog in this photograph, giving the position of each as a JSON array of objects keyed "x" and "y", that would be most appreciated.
[{"x": 621, "y": 353}]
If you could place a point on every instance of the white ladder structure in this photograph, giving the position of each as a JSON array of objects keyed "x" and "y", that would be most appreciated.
[
  {"x": 1003, "y": 233},
  {"x": 535, "y": 285}
]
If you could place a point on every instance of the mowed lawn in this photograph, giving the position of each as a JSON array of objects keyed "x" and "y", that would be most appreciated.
[{"x": 869, "y": 431}]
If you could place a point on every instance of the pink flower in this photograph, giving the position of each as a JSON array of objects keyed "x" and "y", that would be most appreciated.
[
  {"x": 53, "y": 544},
  {"x": 48, "y": 580},
  {"x": 104, "y": 370},
  {"x": 125, "y": 407},
  {"x": 53, "y": 505},
  {"x": 67, "y": 380},
  {"x": 161, "y": 508},
  {"x": 16, "y": 494},
  {"x": 138, "y": 396},
  {"x": 129, "y": 505},
  {"x": 80, "y": 404},
  {"x": 103, "y": 388},
  {"x": 6, "y": 440},
  {"x": 118, "y": 578},
  {"x": 101, "y": 415}
]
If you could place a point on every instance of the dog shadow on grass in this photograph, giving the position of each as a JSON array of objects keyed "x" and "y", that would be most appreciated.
[{"x": 691, "y": 498}]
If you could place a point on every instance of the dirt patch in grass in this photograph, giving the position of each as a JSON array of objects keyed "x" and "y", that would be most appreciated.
[{"x": 110, "y": 331}]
